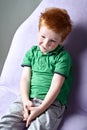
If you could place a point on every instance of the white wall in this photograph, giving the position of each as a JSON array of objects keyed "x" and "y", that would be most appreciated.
[{"x": 12, "y": 14}]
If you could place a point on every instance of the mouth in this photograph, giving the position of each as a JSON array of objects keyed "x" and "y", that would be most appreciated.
[{"x": 44, "y": 49}]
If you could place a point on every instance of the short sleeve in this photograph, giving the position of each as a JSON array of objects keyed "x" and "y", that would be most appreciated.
[
  {"x": 27, "y": 60},
  {"x": 63, "y": 64}
]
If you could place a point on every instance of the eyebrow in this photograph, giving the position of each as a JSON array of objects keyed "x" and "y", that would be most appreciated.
[{"x": 54, "y": 39}]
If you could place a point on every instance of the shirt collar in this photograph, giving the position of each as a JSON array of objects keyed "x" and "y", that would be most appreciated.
[{"x": 56, "y": 51}]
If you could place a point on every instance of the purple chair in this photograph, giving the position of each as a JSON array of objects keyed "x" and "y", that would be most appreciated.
[{"x": 75, "y": 118}]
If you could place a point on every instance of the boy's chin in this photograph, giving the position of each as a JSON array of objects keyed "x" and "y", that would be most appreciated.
[{"x": 43, "y": 51}]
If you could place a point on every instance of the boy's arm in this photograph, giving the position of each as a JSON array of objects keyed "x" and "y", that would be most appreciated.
[
  {"x": 24, "y": 88},
  {"x": 54, "y": 90},
  {"x": 24, "y": 83}
]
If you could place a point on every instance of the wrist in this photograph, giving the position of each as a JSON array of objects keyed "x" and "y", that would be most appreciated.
[
  {"x": 25, "y": 99},
  {"x": 42, "y": 108}
]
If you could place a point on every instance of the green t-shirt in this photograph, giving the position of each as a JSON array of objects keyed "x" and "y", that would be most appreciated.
[{"x": 43, "y": 67}]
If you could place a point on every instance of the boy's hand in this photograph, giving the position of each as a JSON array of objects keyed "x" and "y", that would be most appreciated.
[
  {"x": 27, "y": 104},
  {"x": 34, "y": 112}
]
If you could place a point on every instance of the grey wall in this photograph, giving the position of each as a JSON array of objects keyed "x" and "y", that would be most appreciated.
[{"x": 12, "y": 14}]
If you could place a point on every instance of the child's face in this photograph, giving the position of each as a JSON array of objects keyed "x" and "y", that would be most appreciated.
[{"x": 48, "y": 39}]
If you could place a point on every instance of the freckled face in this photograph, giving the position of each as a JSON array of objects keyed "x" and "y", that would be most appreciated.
[{"x": 48, "y": 40}]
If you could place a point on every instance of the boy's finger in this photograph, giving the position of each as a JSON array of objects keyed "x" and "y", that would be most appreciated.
[{"x": 27, "y": 123}]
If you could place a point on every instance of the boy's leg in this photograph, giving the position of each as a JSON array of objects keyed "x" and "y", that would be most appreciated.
[
  {"x": 13, "y": 119},
  {"x": 50, "y": 119}
]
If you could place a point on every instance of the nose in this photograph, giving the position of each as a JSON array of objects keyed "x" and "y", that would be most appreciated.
[{"x": 46, "y": 43}]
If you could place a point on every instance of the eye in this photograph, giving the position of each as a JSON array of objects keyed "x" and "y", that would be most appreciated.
[
  {"x": 53, "y": 41},
  {"x": 42, "y": 36}
]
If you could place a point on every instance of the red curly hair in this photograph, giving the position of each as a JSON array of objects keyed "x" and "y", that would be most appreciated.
[{"x": 57, "y": 20}]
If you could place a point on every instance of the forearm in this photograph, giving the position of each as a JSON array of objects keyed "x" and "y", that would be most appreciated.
[
  {"x": 53, "y": 92},
  {"x": 25, "y": 84},
  {"x": 49, "y": 99},
  {"x": 24, "y": 90}
]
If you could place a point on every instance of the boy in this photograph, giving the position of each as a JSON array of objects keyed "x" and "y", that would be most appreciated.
[{"x": 46, "y": 77}]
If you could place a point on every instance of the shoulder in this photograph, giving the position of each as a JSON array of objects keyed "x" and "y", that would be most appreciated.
[
  {"x": 63, "y": 63},
  {"x": 64, "y": 57},
  {"x": 32, "y": 50},
  {"x": 29, "y": 55},
  {"x": 64, "y": 54}
]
